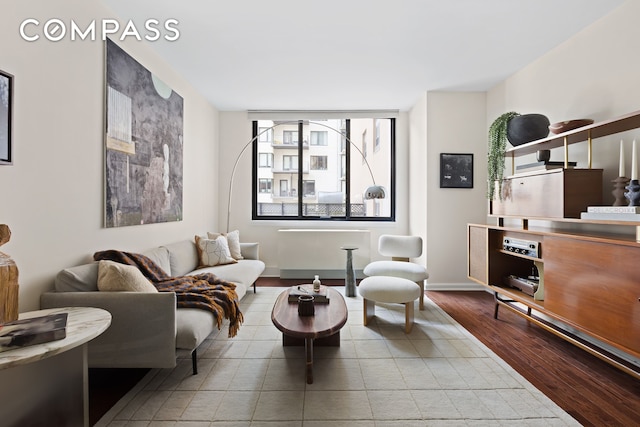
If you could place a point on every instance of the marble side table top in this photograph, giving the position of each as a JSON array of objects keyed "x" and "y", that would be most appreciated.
[{"x": 83, "y": 324}]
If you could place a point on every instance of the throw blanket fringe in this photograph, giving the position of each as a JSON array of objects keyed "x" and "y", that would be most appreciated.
[{"x": 204, "y": 291}]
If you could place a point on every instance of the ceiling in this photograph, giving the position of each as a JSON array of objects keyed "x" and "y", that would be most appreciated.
[{"x": 354, "y": 54}]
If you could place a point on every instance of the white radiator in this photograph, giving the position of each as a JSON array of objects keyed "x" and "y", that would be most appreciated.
[{"x": 302, "y": 253}]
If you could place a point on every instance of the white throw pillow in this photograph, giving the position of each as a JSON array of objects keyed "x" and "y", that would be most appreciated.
[
  {"x": 116, "y": 277},
  {"x": 213, "y": 251},
  {"x": 233, "y": 239}
]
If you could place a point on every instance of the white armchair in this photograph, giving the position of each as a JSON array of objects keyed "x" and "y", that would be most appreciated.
[
  {"x": 396, "y": 280},
  {"x": 401, "y": 249}
]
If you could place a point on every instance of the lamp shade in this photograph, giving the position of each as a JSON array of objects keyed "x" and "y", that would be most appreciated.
[{"x": 374, "y": 192}]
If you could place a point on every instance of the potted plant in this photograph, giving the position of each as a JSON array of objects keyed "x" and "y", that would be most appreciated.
[
  {"x": 516, "y": 128},
  {"x": 497, "y": 147}
]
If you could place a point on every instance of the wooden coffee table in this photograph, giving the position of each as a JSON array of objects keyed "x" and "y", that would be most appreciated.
[{"x": 323, "y": 328}]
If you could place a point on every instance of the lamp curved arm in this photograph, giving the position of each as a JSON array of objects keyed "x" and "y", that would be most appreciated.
[{"x": 374, "y": 192}]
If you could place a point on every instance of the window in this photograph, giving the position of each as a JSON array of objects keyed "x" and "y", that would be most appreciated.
[
  {"x": 319, "y": 137},
  {"x": 321, "y": 168},
  {"x": 364, "y": 146},
  {"x": 309, "y": 188},
  {"x": 290, "y": 163},
  {"x": 265, "y": 185},
  {"x": 318, "y": 163},
  {"x": 265, "y": 135},
  {"x": 284, "y": 188},
  {"x": 290, "y": 137},
  {"x": 266, "y": 160}
]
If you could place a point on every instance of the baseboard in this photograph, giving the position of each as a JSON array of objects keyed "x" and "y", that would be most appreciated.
[
  {"x": 468, "y": 286},
  {"x": 308, "y": 274},
  {"x": 271, "y": 272}
]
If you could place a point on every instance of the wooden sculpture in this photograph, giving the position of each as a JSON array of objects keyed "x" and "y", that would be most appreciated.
[{"x": 8, "y": 281}]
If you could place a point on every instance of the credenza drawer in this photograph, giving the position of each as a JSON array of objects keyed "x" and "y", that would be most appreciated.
[{"x": 558, "y": 193}]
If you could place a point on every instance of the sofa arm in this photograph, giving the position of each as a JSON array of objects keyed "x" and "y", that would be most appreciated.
[
  {"x": 250, "y": 250},
  {"x": 142, "y": 332}
]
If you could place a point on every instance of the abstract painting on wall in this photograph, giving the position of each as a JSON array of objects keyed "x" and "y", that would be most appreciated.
[
  {"x": 143, "y": 144},
  {"x": 6, "y": 101},
  {"x": 456, "y": 170}
]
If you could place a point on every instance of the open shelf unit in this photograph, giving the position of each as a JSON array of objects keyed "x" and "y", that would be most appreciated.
[
  {"x": 588, "y": 268},
  {"x": 586, "y": 133}
]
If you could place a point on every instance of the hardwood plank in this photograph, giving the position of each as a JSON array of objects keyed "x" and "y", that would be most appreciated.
[{"x": 592, "y": 391}]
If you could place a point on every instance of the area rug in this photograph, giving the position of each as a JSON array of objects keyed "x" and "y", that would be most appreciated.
[{"x": 438, "y": 375}]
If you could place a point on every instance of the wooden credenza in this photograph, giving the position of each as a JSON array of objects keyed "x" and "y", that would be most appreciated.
[
  {"x": 591, "y": 285},
  {"x": 589, "y": 271}
]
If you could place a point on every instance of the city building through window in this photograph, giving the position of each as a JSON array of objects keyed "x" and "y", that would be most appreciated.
[{"x": 320, "y": 171}]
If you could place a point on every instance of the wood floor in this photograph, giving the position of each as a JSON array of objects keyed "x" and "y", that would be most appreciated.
[{"x": 593, "y": 392}]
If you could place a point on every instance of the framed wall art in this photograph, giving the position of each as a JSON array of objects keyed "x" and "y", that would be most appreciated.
[
  {"x": 6, "y": 104},
  {"x": 456, "y": 170},
  {"x": 143, "y": 144}
]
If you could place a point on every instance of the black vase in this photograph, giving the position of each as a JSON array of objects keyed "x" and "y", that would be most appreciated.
[{"x": 526, "y": 128}]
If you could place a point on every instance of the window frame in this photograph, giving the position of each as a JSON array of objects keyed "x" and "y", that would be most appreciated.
[{"x": 350, "y": 150}]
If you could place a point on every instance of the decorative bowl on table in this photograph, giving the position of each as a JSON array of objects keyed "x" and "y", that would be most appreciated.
[{"x": 568, "y": 125}]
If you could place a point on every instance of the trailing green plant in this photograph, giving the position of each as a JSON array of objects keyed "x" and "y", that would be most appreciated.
[{"x": 497, "y": 148}]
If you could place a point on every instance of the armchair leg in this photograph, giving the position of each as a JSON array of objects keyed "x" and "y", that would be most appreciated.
[
  {"x": 369, "y": 310},
  {"x": 421, "y": 306},
  {"x": 408, "y": 315}
]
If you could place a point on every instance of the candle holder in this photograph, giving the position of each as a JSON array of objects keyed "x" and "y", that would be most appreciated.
[
  {"x": 619, "y": 185},
  {"x": 305, "y": 305},
  {"x": 633, "y": 193}
]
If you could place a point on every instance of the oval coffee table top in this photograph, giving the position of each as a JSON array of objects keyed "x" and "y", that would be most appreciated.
[{"x": 328, "y": 319}]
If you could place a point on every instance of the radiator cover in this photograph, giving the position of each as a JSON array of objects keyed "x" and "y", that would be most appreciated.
[{"x": 303, "y": 253}]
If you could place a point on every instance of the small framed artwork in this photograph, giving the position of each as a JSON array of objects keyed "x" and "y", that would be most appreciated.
[
  {"x": 456, "y": 170},
  {"x": 6, "y": 101}
]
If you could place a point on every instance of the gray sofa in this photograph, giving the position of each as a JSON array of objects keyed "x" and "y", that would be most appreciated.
[{"x": 147, "y": 330}]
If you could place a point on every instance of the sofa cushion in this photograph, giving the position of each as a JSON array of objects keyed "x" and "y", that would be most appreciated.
[
  {"x": 117, "y": 277},
  {"x": 193, "y": 326},
  {"x": 183, "y": 257},
  {"x": 161, "y": 257},
  {"x": 83, "y": 278},
  {"x": 233, "y": 239},
  {"x": 213, "y": 252},
  {"x": 243, "y": 274}
]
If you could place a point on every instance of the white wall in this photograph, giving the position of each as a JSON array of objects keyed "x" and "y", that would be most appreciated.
[
  {"x": 455, "y": 124},
  {"x": 446, "y": 122},
  {"x": 53, "y": 193},
  {"x": 592, "y": 75},
  {"x": 235, "y": 133},
  {"x": 418, "y": 172}
]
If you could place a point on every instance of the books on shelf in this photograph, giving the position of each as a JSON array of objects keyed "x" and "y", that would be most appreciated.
[
  {"x": 321, "y": 297},
  {"x": 527, "y": 167},
  {"x": 614, "y": 209},
  {"x": 611, "y": 216},
  {"x": 36, "y": 330}
]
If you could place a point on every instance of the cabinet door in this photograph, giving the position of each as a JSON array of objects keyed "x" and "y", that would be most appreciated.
[
  {"x": 532, "y": 195},
  {"x": 477, "y": 241},
  {"x": 595, "y": 287},
  {"x": 558, "y": 193}
]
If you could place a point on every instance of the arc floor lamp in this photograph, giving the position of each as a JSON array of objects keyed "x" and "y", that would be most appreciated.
[{"x": 372, "y": 192}]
